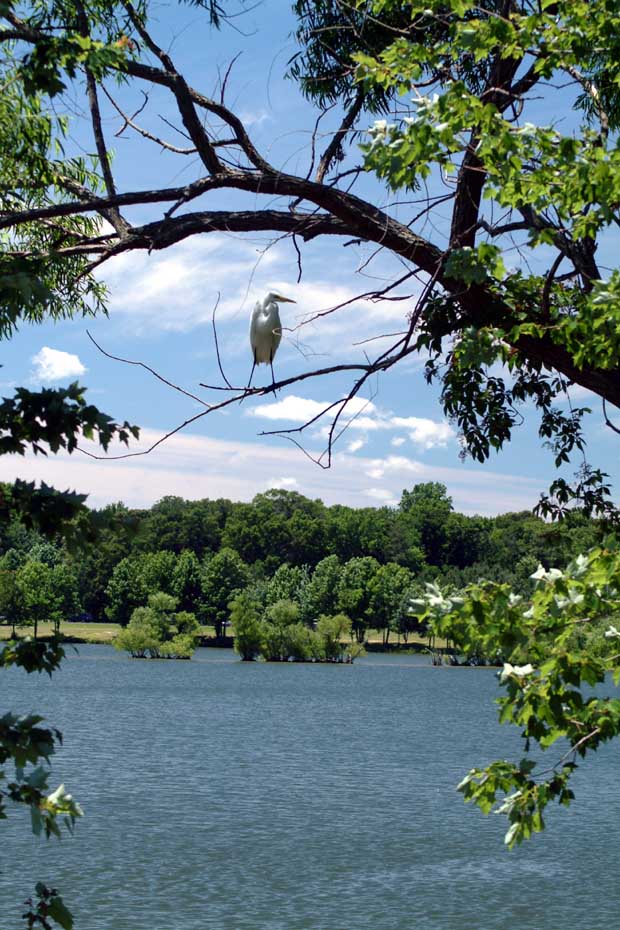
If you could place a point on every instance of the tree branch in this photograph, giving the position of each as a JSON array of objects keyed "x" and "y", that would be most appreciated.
[
  {"x": 185, "y": 103},
  {"x": 113, "y": 214},
  {"x": 129, "y": 121}
]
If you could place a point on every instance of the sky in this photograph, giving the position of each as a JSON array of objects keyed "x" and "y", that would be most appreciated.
[{"x": 161, "y": 313}]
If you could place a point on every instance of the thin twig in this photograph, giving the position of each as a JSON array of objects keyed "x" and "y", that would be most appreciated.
[
  {"x": 128, "y": 361},
  {"x": 129, "y": 121},
  {"x": 217, "y": 345}
]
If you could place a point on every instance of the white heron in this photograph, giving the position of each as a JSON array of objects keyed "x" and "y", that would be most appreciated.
[{"x": 266, "y": 330}]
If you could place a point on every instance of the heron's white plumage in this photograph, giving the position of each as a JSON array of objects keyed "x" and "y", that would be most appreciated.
[{"x": 266, "y": 328}]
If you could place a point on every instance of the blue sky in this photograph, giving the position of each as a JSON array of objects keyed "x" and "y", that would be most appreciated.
[{"x": 161, "y": 311}]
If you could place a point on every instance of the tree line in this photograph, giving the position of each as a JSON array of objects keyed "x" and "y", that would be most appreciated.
[{"x": 365, "y": 563}]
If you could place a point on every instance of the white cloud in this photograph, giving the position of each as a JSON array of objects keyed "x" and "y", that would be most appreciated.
[
  {"x": 254, "y": 117},
  {"x": 398, "y": 441},
  {"x": 429, "y": 434},
  {"x": 394, "y": 463},
  {"x": 284, "y": 483},
  {"x": 356, "y": 445},
  {"x": 54, "y": 365},
  {"x": 302, "y": 409},
  {"x": 382, "y": 495}
]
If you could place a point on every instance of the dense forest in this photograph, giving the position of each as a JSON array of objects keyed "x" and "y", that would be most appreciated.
[{"x": 365, "y": 563}]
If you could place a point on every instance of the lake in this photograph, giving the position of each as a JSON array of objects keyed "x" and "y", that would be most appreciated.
[{"x": 222, "y": 795}]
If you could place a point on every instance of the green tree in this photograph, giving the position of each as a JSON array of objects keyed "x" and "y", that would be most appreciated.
[
  {"x": 65, "y": 593},
  {"x": 288, "y": 582},
  {"x": 125, "y": 591},
  {"x": 46, "y": 552},
  {"x": 321, "y": 591},
  {"x": 246, "y": 625},
  {"x": 157, "y": 631},
  {"x": 36, "y": 594},
  {"x": 9, "y": 597},
  {"x": 134, "y": 579},
  {"x": 332, "y": 631},
  {"x": 387, "y": 588},
  {"x": 429, "y": 508},
  {"x": 283, "y": 636},
  {"x": 467, "y": 540},
  {"x": 355, "y": 592},
  {"x": 187, "y": 580},
  {"x": 548, "y": 678},
  {"x": 223, "y": 577}
]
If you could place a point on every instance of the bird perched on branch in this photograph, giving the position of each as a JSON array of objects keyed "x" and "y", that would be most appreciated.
[{"x": 266, "y": 330}]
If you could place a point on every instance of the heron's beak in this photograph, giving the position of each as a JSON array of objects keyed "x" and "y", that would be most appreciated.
[{"x": 285, "y": 300}]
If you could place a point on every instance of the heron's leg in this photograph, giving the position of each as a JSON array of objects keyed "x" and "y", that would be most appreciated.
[
  {"x": 250, "y": 381},
  {"x": 273, "y": 377}
]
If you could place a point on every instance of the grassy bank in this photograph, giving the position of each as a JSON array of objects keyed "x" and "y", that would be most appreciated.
[{"x": 104, "y": 633}]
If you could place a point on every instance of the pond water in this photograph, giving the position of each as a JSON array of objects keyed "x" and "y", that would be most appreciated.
[{"x": 222, "y": 795}]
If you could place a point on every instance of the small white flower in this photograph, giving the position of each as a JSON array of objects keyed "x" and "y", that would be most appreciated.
[
  {"x": 572, "y": 600},
  {"x": 520, "y": 671},
  {"x": 612, "y": 633},
  {"x": 514, "y": 599},
  {"x": 508, "y": 803},
  {"x": 523, "y": 670},
  {"x": 528, "y": 130},
  {"x": 542, "y": 575},
  {"x": 579, "y": 565}
]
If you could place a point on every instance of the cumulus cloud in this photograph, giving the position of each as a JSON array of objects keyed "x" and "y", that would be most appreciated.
[
  {"x": 429, "y": 434},
  {"x": 54, "y": 365},
  {"x": 394, "y": 463},
  {"x": 285, "y": 483},
  {"x": 359, "y": 414},
  {"x": 302, "y": 409},
  {"x": 356, "y": 445}
]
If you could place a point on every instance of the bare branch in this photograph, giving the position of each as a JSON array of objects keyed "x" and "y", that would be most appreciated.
[
  {"x": 129, "y": 121},
  {"x": 179, "y": 88},
  {"x": 217, "y": 345},
  {"x": 128, "y": 361}
]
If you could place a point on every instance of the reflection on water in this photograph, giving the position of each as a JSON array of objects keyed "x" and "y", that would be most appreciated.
[{"x": 222, "y": 795}]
